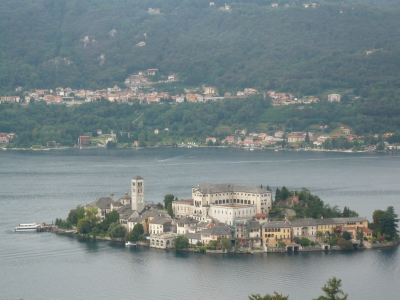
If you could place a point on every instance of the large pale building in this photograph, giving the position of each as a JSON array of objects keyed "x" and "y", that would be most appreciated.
[
  {"x": 227, "y": 213},
  {"x": 207, "y": 194},
  {"x": 224, "y": 202}
]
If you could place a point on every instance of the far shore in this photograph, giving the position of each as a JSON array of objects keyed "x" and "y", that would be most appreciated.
[{"x": 225, "y": 147}]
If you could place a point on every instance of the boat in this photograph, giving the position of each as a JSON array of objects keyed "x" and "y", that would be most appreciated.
[
  {"x": 27, "y": 227},
  {"x": 129, "y": 243}
]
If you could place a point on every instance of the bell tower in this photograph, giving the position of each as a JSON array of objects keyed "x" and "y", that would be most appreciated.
[{"x": 137, "y": 192}]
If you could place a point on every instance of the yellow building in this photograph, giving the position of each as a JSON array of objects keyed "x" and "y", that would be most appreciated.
[
  {"x": 275, "y": 232},
  {"x": 352, "y": 222},
  {"x": 325, "y": 227}
]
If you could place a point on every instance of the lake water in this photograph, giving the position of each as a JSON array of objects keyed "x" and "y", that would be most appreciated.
[{"x": 39, "y": 186}]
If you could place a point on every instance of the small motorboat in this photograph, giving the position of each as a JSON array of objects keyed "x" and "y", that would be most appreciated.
[{"x": 129, "y": 244}]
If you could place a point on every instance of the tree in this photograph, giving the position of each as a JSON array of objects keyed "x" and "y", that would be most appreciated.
[
  {"x": 307, "y": 138},
  {"x": 380, "y": 146},
  {"x": 137, "y": 233},
  {"x": 225, "y": 243},
  {"x": 305, "y": 242},
  {"x": 275, "y": 296},
  {"x": 284, "y": 193},
  {"x": 91, "y": 215},
  {"x": 116, "y": 230},
  {"x": 168, "y": 199},
  {"x": 346, "y": 235},
  {"x": 170, "y": 210},
  {"x": 112, "y": 217},
  {"x": 76, "y": 214},
  {"x": 332, "y": 290},
  {"x": 385, "y": 223},
  {"x": 344, "y": 244},
  {"x": 84, "y": 226},
  {"x": 388, "y": 223},
  {"x": 111, "y": 144},
  {"x": 320, "y": 235},
  {"x": 181, "y": 242},
  {"x": 277, "y": 195}
]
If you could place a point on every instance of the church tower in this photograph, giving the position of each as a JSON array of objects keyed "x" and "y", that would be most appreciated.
[{"x": 137, "y": 192}]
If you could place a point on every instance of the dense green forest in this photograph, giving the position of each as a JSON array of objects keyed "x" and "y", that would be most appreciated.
[
  {"x": 39, "y": 123},
  {"x": 50, "y": 43}
]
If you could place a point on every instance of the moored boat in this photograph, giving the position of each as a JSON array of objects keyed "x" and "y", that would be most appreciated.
[
  {"x": 27, "y": 227},
  {"x": 129, "y": 243}
]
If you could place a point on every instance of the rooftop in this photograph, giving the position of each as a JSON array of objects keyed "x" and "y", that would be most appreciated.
[
  {"x": 211, "y": 188},
  {"x": 275, "y": 224}
]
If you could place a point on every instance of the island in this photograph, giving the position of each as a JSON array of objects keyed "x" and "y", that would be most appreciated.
[{"x": 222, "y": 218}]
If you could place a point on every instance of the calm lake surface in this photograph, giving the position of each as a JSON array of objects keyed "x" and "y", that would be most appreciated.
[{"x": 40, "y": 186}]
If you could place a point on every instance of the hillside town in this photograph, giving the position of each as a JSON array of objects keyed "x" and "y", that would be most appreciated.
[
  {"x": 238, "y": 215},
  {"x": 138, "y": 87},
  {"x": 295, "y": 140}
]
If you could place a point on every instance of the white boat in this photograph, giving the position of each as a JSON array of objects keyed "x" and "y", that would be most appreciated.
[
  {"x": 129, "y": 243},
  {"x": 27, "y": 227}
]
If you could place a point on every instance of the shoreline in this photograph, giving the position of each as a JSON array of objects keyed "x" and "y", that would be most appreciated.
[
  {"x": 376, "y": 246},
  {"x": 223, "y": 147}
]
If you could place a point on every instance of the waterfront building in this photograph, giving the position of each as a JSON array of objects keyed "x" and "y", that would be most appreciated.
[
  {"x": 193, "y": 238},
  {"x": 83, "y": 140},
  {"x": 367, "y": 233},
  {"x": 274, "y": 232},
  {"x": 247, "y": 232},
  {"x": 132, "y": 221},
  {"x": 160, "y": 225},
  {"x": 305, "y": 228},
  {"x": 325, "y": 227},
  {"x": 351, "y": 225},
  {"x": 219, "y": 231},
  {"x": 163, "y": 241}
]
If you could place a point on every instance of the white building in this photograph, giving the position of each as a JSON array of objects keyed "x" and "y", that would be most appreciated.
[
  {"x": 160, "y": 225},
  {"x": 207, "y": 194},
  {"x": 227, "y": 213},
  {"x": 186, "y": 225},
  {"x": 334, "y": 98},
  {"x": 182, "y": 208}
]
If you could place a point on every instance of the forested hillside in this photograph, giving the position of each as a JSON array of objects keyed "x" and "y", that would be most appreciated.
[
  {"x": 39, "y": 123},
  {"x": 350, "y": 46},
  {"x": 94, "y": 44}
]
